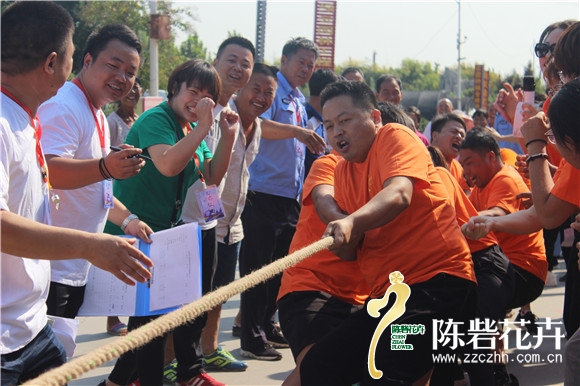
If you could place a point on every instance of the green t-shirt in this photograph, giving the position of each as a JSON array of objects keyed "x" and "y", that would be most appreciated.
[{"x": 149, "y": 194}]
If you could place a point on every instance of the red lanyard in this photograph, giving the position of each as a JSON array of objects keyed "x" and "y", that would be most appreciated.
[
  {"x": 291, "y": 95},
  {"x": 37, "y": 134},
  {"x": 196, "y": 160},
  {"x": 101, "y": 126}
]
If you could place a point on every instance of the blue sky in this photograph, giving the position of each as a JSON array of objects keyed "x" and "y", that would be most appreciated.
[{"x": 498, "y": 34}]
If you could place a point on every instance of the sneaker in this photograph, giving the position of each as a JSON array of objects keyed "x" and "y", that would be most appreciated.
[
  {"x": 551, "y": 280},
  {"x": 563, "y": 277},
  {"x": 531, "y": 320},
  {"x": 265, "y": 353},
  {"x": 170, "y": 372},
  {"x": 223, "y": 360},
  {"x": 236, "y": 331},
  {"x": 276, "y": 339},
  {"x": 202, "y": 379}
]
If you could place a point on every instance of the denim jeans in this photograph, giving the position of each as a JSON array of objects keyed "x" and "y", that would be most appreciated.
[{"x": 44, "y": 352}]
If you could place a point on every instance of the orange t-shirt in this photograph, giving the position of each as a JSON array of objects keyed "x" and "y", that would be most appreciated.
[
  {"x": 566, "y": 183},
  {"x": 456, "y": 171},
  {"x": 525, "y": 251},
  {"x": 323, "y": 271},
  {"x": 464, "y": 210},
  {"x": 508, "y": 156},
  {"x": 422, "y": 241}
]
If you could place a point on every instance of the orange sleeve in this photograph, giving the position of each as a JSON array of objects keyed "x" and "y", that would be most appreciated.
[
  {"x": 323, "y": 175},
  {"x": 566, "y": 177},
  {"x": 456, "y": 171},
  {"x": 503, "y": 192}
]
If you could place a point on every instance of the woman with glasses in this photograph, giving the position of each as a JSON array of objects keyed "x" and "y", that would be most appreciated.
[{"x": 554, "y": 199}]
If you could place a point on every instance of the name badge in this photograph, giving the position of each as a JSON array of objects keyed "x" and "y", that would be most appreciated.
[
  {"x": 210, "y": 203},
  {"x": 286, "y": 101},
  {"x": 108, "y": 194}
]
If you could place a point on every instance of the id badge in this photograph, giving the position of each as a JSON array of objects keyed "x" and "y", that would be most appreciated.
[
  {"x": 210, "y": 204},
  {"x": 108, "y": 194}
]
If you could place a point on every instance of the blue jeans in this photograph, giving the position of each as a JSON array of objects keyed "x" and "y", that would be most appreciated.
[{"x": 44, "y": 352}]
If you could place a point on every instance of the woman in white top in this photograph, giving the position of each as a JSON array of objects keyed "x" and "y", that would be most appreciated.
[{"x": 120, "y": 121}]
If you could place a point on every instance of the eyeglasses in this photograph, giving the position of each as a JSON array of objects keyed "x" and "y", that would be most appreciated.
[
  {"x": 542, "y": 49},
  {"x": 550, "y": 136}
]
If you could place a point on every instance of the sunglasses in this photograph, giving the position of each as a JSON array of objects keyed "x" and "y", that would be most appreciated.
[{"x": 542, "y": 49}]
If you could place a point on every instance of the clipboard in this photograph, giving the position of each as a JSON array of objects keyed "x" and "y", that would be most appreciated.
[{"x": 176, "y": 255}]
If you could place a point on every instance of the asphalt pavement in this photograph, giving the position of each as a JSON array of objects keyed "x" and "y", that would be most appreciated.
[{"x": 541, "y": 366}]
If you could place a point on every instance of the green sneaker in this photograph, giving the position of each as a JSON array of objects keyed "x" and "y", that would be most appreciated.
[
  {"x": 170, "y": 372},
  {"x": 223, "y": 360}
]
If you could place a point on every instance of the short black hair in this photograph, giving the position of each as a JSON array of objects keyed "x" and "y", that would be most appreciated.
[
  {"x": 264, "y": 69},
  {"x": 30, "y": 31},
  {"x": 413, "y": 110},
  {"x": 351, "y": 70},
  {"x": 320, "y": 79},
  {"x": 361, "y": 94},
  {"x": 293, "y": 45},
  {"x": 386, "y": 77},
  {"x": 565, "y": 115},
  {"x": 98, "y": 40},
  {"x": 440, "y": 121},
  {"x": 239, "y": 41},
  {"x": 390, "y": 113},
  {"x": 480, "y": 141},
  {"x": 480, "y": 112},
  {"x": 195, "y": 72}
]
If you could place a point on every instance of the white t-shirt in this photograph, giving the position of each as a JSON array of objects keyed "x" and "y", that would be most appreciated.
[
  {"x": 69, "y": 131},
  {"x": 117, "y": 128},
  {"x": 25, "y": 282}
]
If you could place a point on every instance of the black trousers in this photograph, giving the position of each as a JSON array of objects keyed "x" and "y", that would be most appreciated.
[
  {"x": 269, "y": 224},
  {"x": 572, "y": 290},
  {"x": 64, "y": 300}
]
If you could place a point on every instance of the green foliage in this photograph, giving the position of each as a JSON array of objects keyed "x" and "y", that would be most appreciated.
[
  {"x": 193, "y": 48},
  {"x": 92, "y": 15}
]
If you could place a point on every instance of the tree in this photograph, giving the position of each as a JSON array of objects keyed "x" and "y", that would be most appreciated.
[
  {"x": 193, "y": 48},
  {"x": 92, "y": 15}
]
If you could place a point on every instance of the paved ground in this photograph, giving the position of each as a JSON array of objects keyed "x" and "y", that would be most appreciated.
[{"x": 92, "y": 335}]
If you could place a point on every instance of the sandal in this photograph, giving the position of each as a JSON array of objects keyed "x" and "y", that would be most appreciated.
[{"x": 119, "y": 329}]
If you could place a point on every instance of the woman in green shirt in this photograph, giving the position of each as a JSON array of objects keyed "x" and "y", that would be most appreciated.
[{"x": 172, "y": 135}]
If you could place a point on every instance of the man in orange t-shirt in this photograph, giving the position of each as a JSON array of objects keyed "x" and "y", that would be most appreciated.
[
  {"x": 317, "y": 294},
  {"x": 448, "y": 130},
  {"x": 495, "y": 194},
  {"x": 494, "y": 273},
  {"x": 395, "y": 197}
]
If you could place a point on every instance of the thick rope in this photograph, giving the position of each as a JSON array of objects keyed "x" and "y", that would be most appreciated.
[{"x": 137, "y": 338}]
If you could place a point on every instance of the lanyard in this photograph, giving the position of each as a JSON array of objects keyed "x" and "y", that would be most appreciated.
[
  {"x": 101, "y": 125},
  {"x": 37, "y": 134},
  {"x": 291, "y": 95},
  {"x": 195, "y": 157},
  {"x": 197, "y": 165}
]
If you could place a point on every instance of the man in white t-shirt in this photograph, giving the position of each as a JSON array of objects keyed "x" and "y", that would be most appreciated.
[
  {"x": 76, "y": 142},
  {"x": 37, "y": 50}
]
